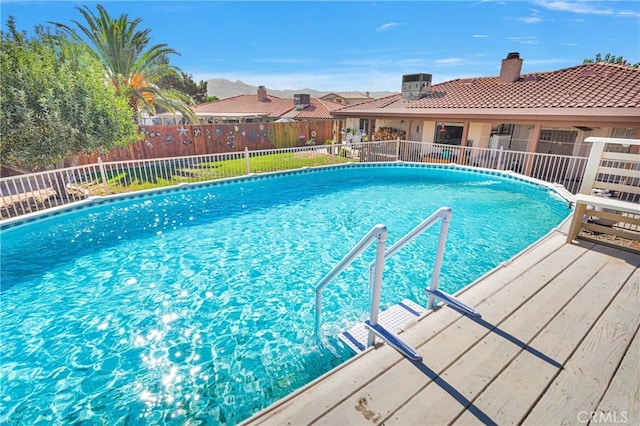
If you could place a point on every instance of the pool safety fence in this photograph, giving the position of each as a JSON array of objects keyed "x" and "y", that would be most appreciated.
[{"x": 33, "y": 192}]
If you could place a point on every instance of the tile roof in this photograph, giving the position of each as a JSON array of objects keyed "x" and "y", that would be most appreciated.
[
  {"x": 319, "y": 108},
  {"x": 349, "y": 95},
  {"x": 600, "y": 85},
  {"x": 272, "y": 107}
]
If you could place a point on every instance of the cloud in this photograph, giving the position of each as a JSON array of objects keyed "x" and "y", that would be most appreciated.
[
  {"x": 449, "y": 61},
  {"x": 531, "y": 20},
  {"x": 490, "y": 1},
  {"x": 630, "y": 13},
  {"x": 386, "y": 27},
  {"x": 569, "y": 44},
  {"x": 535, "y": 17},
  {"x": 591, "y": 8},
  {"x": 524, "y": 40},
  {"x": 480, "y": 36},
  {"x": 586, "y": 8}
]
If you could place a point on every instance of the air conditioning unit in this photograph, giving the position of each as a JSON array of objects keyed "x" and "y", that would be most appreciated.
[
  {"x": 416, "y": 86},
  {"x": 301, "y": 101}
]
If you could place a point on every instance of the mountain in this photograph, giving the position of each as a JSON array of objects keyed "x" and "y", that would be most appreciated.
[{"x": 223, "y": 88}]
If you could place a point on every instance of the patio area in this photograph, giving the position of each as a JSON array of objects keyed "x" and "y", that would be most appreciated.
[{"x": 557, "y": 343}]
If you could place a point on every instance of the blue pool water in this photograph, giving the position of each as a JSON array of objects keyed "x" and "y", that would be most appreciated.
[{"x": 198, "y": 304}]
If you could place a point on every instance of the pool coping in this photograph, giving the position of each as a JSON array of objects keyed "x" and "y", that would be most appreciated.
[{"x": 96, "y": 200}]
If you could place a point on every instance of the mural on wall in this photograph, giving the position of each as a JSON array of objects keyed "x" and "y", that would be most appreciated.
[{"x": 161, "y": 141}]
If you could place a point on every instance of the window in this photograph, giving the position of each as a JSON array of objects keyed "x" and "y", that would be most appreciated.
[
  {"x": 502, "y": 129},
  {"x": 559, "y": 142},
  {"x": 618, "y": 132},
  {"x": 364, "y": 125},
  {"x": 448, "y": 133}
]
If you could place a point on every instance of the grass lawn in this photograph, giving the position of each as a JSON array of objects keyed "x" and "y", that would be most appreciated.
[{"x": 160, "y": 174}]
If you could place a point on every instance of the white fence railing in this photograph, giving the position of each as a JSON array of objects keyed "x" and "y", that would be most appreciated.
[
  {"x": 609, "y": 197},
  {"x": 39, "y": 191}
]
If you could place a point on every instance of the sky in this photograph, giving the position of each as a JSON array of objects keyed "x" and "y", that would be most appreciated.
[{"x": 364, "y": 45}]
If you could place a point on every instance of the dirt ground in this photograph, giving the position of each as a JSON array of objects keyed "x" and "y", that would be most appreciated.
[{"x": 611, "y": 239}]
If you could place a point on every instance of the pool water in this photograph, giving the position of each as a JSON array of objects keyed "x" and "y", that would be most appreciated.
[{"x": 197, "y": 305}]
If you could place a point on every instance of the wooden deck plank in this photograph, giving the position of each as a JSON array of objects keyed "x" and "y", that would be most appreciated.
[
  {"x": 622, "y": 399},
  {"x": 378, "y": 382},
  {"x": 531, "y": 375},
  {"x": 587, "y": 374},
  {"x": 312, "y": 401},
  {"x": 482, "y": 362},
  {"x": 407, "y": 378}
]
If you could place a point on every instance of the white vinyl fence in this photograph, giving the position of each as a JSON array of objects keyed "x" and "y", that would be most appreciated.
[{"x": 38, "y": 191}]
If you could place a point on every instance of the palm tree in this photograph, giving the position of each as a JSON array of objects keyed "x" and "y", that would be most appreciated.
[{"x": 131, "y": 65}]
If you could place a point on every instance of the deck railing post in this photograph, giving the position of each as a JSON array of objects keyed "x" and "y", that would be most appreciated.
[
  {"x": 498, "y": 166},
  {"x": 246, "y": 159},
  {"x": 530, "y": 158},
  {"x": 332, "y": 151},
  {"x": 591, "y": 171},
  {"x": 103, "y": 176}
]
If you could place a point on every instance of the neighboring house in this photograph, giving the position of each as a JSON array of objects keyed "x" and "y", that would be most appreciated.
[
  {"x": 347, "y": 98},
  {"x": 260, "y": 108},
  {"x": 546, "y": 112}
]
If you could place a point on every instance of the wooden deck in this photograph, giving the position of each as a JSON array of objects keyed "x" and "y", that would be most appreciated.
[{"x": 557, "y": 343}]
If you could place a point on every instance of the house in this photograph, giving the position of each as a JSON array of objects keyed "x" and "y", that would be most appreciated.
[
  {"x": 260, "y": 108},
  {"x": 347, "y": 98},
  {"x": 545, "y": 112}
]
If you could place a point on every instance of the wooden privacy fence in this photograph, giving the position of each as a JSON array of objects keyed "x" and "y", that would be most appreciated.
[{"x": 201, "y": 139}]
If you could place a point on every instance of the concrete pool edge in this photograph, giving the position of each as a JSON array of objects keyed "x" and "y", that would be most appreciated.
[{"x": 106, "y": 199}]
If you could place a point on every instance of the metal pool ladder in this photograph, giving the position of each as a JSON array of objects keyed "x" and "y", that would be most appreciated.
[{"x": 379, "y": 233}]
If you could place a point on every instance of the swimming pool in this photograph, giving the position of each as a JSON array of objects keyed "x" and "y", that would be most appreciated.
[{"x": 197, "y": 303}]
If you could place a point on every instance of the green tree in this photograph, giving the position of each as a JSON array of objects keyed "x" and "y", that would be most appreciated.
[
  {"x": 612, "y": 59},
  {"x": 184, "y": 83},
  {"x": 133, "y": 66},
  {"x": 55, "y": 101}
]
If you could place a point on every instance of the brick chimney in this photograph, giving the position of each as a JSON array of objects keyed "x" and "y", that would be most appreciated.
[
  {"x": 510, "y": 69},
  {"x": 262, "y": 94}
]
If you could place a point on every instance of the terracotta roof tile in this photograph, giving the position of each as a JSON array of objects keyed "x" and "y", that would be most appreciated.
[
  {"x": 319, "y": 108},
  {"x": 272, "y": 107},
  {"x": 583, "y": 86},
  {"x": 586, "y": 86}
]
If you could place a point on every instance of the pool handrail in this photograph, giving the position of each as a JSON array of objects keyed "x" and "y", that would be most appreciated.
[
  {"x": 442, "y": 214},
  {"x": 379, "y": 233},
  {"x": 376, "y": 267}
]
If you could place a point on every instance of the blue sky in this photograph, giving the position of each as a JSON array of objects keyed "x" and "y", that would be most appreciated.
[{"x": 365, "y": 45}]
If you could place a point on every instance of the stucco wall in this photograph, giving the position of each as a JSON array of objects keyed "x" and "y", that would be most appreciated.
[
  {"x": 479, "y": 134},
  {"x": 429, "y": 129}
]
